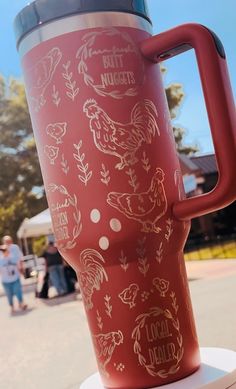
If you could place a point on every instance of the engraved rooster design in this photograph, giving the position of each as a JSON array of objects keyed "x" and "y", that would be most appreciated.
[
  {"x": 105, "y": 345},
  {"x": 52, "y": 153},
  {"x": 57, "y": 131},
  {"x": 119, "y": 139},
  {"x": 40, "y": 76},
  {"x": 91, "y": 275},
  {"x": 146, "y": 207},
  {"x": 161, "y": 285},
  {"x": 129, "y": 295}
]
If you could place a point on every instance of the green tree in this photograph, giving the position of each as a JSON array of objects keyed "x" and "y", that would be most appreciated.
[
  {"x": 20, "y": 174},
  {"x": 175, "y": 95}
]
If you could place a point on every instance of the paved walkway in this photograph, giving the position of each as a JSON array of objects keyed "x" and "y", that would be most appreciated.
[{"x": 49, "y": 346}]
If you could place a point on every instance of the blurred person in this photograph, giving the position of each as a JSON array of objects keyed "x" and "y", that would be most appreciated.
[
  {"x": 14, "y": 248},
  {"x": 55, "y": 268},
  {"x": 10, "y": 269}
]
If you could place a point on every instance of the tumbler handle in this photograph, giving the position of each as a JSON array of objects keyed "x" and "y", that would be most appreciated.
[{"x": 219, "y": 103}]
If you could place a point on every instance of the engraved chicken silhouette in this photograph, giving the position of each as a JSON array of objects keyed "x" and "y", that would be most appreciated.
[
  {"x": 105, "y": 345},
  {"x": 52, "y": 153},
  {"x": 91, "y": 275},
  {"x": 161, "y": 285},
  {"x": 122, "y": 140},
  {"x": 146, "y": 207},
  {"x": 40, "y": 76},
  {"x": 57, "y": 131},
  {"x": 129, "y": 295}
]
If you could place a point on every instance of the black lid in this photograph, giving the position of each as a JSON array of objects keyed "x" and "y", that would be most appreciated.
[{"x": 43, "y": 11}]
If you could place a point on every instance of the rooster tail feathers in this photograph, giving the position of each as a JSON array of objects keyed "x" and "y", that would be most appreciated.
[
  {"x": 113, "y": 199},
  {"x": 55, "y": 55},
  {"x": 144, "y": 117},
  {"x": 90, "y": 259}
]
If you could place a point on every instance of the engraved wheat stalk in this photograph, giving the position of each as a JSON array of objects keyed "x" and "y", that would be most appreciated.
[
  {"x": 64, "y": 164},
  {"x": 133, "y": 179},
  {"x": 159, "y": 253},
  {"x": 99, "y": 321},
  {"x": 70, "y": 84},
  {"x": 105, "y": 175},
  {"x": 55, "y": 96},
  {"x": 83, "y": 168},
  {"x": 145, "y": 162},
  {"x": 142, "y": 259},
  {"x": 169, "y": 229},
  {"x": 108, "y": 305},
  {"x": 123, "y": 259}
]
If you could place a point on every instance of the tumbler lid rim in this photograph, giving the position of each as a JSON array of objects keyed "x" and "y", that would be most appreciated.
[{"x": 39, "y": 12}]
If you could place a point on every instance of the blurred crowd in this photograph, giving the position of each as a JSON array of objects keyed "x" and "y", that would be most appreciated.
[{"x": 56, "y": 272}]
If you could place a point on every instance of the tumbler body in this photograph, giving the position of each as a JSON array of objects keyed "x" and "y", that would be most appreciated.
[{"x": 111, "y": 173}]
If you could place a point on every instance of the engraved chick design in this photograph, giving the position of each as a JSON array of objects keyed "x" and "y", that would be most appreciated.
[
  {"x": 91, "y": 275},
  {"x": 52, "y": 153},
  {"x": 146, "y": 207},
  {"x": 105, "y": 345},
  {"x": 122, "y": 139},
  {"x": 161, "y": 285},
  {"x": 129, "y": 295},
  {"x": 40, "y": 76},
  {"x": 57, "y": 131}
]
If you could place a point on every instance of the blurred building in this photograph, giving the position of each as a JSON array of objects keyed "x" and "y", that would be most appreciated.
[{"x": 219, "y": 223}]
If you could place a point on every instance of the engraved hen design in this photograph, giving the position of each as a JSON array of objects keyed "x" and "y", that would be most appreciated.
[
  {"x": 146, "y": 207},
  {"x": 57, "y": 131},
  {"x": 40, "y": 76},
  {"x": 129, "y": 295},
  {"x": 52, "y": 153},
  {"x": 161, "y": 285},
  {"x": 91, "y": 275},
  {"x": 105, "y": 345},
  {"x": 122, "y": 139}
]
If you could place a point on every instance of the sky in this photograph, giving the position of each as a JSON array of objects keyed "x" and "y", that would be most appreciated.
[{"x": 218, "y": 15}]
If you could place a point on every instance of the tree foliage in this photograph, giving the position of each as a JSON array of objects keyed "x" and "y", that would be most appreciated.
[
  {"x": 20, "y": 172},
  {"x": 175, "y": 95}
]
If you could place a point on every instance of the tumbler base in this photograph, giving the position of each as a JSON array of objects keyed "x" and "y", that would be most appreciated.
[{"x": 217, "y": 371}]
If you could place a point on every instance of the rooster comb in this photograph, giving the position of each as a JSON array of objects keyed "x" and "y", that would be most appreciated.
[{"x": 88, "y": 103}]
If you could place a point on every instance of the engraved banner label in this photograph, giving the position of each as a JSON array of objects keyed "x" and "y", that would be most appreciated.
[
  {"x": 66, "y": 216},
  {"x": 159, "y": 331},
  {"x": 119, "y": 67}
]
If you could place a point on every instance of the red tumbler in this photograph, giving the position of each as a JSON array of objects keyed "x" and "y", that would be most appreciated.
[{"x": 112, "y": 175}]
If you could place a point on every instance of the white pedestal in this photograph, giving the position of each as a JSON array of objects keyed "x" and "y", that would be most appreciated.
[{"x": 217, "y": 371}]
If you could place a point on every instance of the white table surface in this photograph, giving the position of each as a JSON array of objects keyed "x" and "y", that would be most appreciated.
[{"x": 217, "y": 371}]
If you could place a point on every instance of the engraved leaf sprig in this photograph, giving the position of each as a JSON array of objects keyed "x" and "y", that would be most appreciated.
[
  {"x": 64, "y": 164},
  {"x": 145, "y": 162},
  {"x": 83, "y": 167},
  {"x": 159, "y": 253},
  {"x": 108, "y": 305},
  {"x": 70, "y": 84},
  {"x": 133, "y": 179},
  {"x": 55, "y": 96},
  {"x": 174, "y": 302},
  {"x": 142, "y": 259},
  {"x": 99, "y": 320},
  {"x": 169, "y": 229},
  {"x": 123, "y": 259},
  {"x": 105, "y": 175}
]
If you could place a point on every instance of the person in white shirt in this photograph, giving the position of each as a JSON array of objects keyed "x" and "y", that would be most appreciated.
[{"x": 10, "y": 269}]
